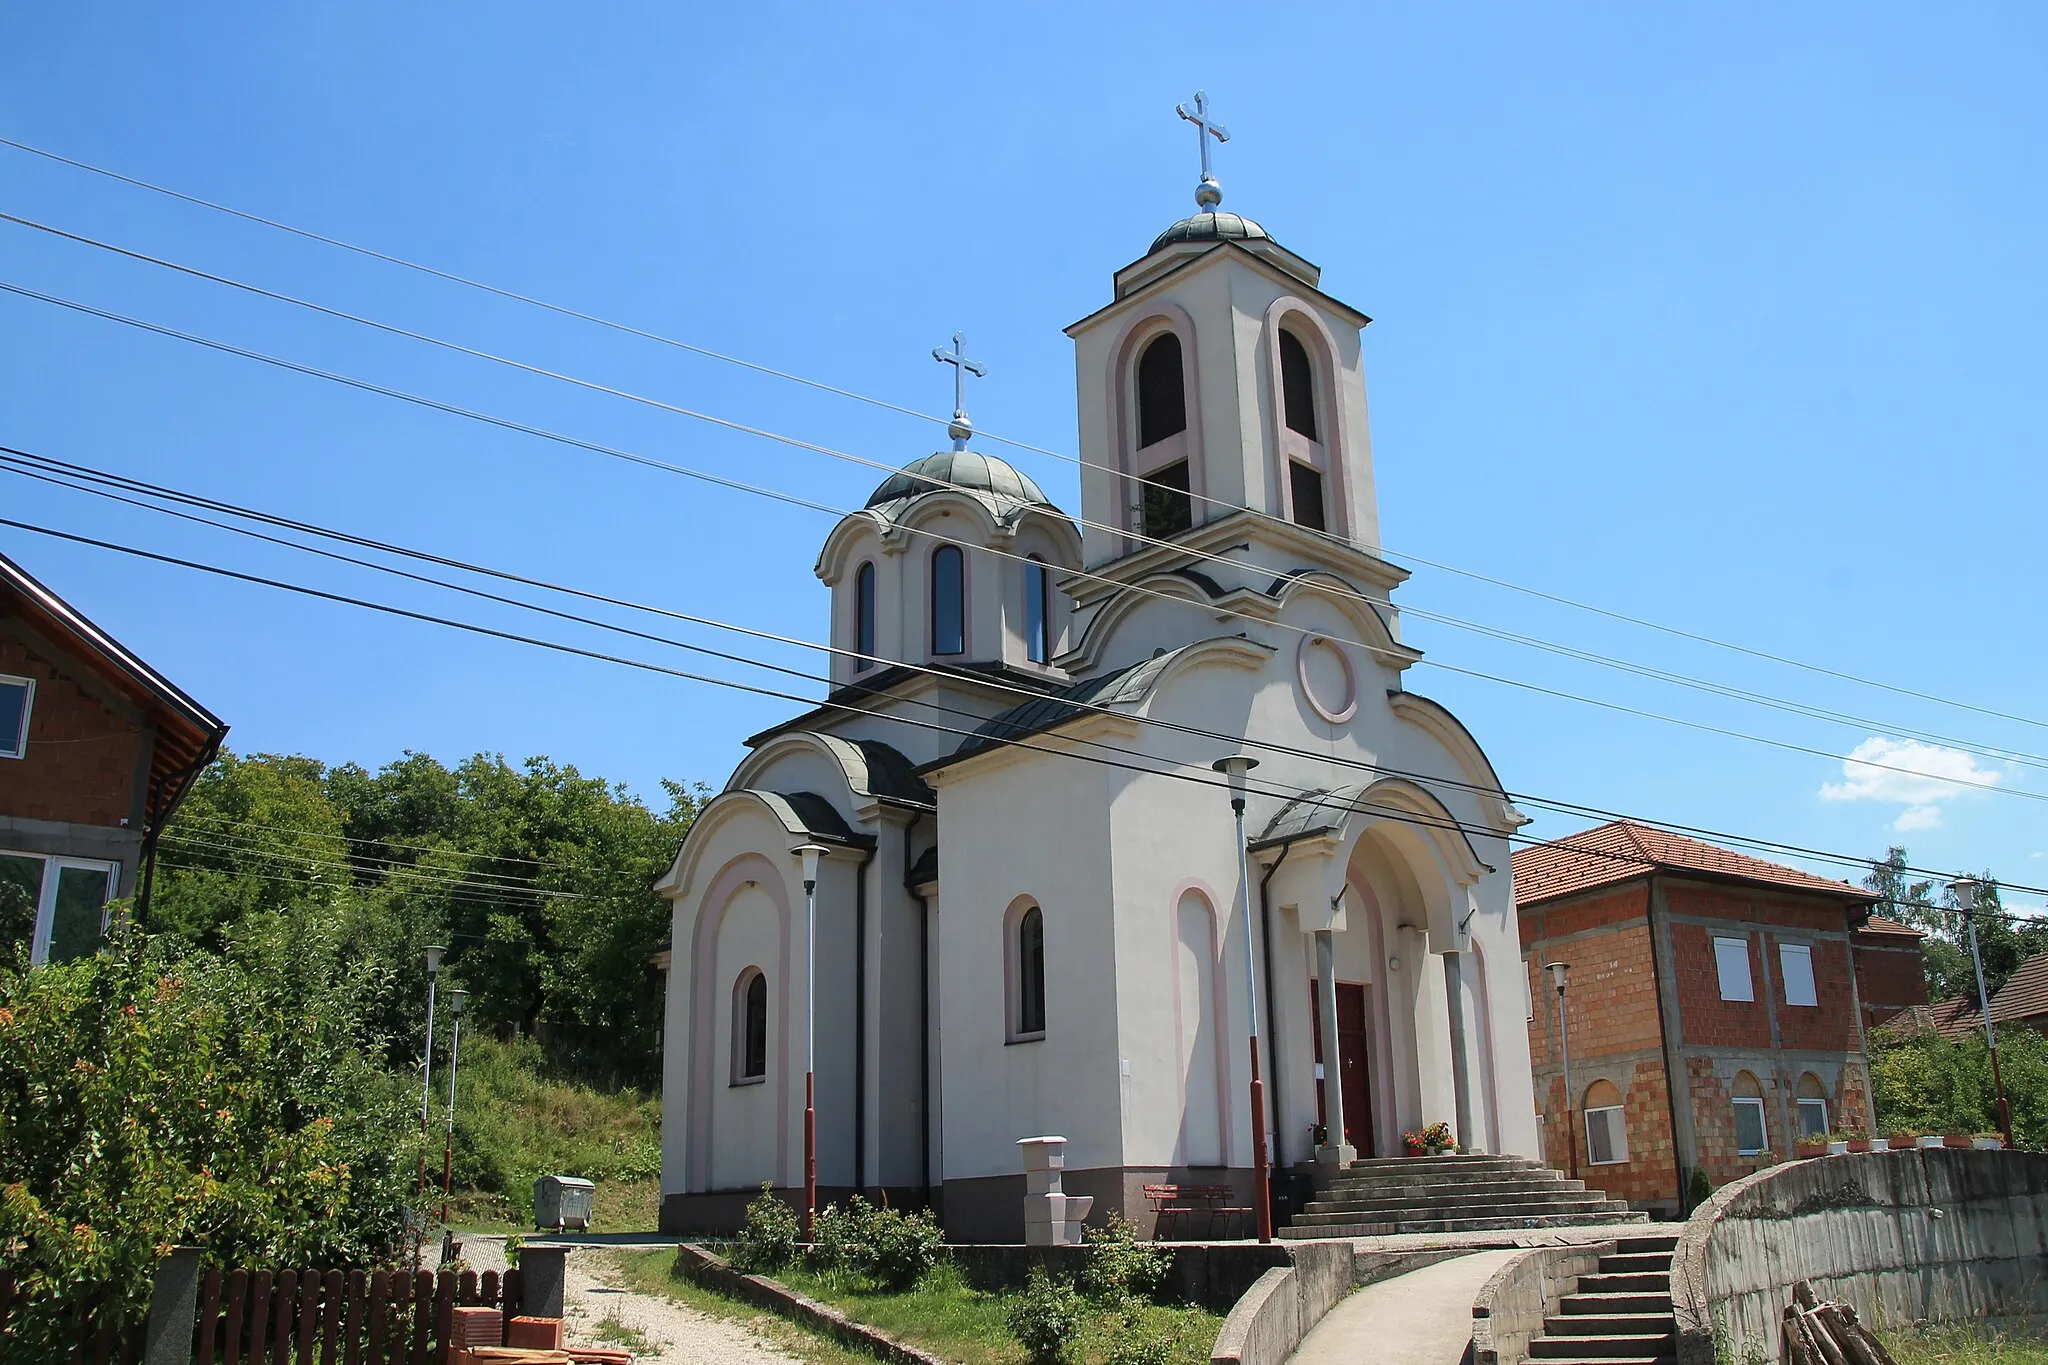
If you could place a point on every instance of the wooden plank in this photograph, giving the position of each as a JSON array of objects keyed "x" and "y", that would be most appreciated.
[
  {"x": 334, "y": 1292},
  {"x": 209, "y": 1319},
  {"x": 487, "y": 1290},
  {"x": 352, "y": 1333},
  {"x": 513, "y": 1290},
  {"x": 401, "y": 1322},
  {"x": 309, "y": 1315},
  {"x": 238, "y": 1297},
  {"x": 445, "y": 1293},
  {"x": 260, "y": 1289},
  {"x": 103, "y": 1346},
  {"x": 284, "y": 1312},
  {"x": 465, "y": 1291},
  {"x": 380, "y": 1303}
]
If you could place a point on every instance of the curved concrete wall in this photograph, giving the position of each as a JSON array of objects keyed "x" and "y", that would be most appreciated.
[{"x": 1925, "y": 1235}]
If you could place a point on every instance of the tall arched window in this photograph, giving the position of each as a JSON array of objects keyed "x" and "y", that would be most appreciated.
[
  {"x": 1606, "y": 1125},
  {"x": 864, "y": 617},
  {"x": 1307, "y": 459},
  {"x": 1297, "y": 386},
  {"x": 1752, "y": 1133},
  {"x": 1037, "y": 611},
  {"x": 1162, "y": 391},
  {"x": 1813, "y": 1107},
  {"x": 949, "y": 601},
  {"x": 749, "y": 1027},
  {"x": 1027, "y": 982}
]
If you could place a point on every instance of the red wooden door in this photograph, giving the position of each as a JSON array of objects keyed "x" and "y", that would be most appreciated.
[{"x": 1352, "y": 1043}]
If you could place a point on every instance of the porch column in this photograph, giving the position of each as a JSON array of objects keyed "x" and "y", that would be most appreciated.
[
  {"x": 1336, "y": 1150},
  {"x": 1461, "y": 1067}
]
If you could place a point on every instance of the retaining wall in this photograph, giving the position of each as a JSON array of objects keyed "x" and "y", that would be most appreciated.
[
  {"x": 1929, "y": 1235},
  {"x": 1285, "y": 1302},
  {"x": 1511, "y": 1307}
]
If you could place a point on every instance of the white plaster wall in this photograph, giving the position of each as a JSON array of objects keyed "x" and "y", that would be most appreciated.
[{"x": 744, "y": 1117}]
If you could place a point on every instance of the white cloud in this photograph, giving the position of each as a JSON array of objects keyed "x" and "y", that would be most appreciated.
[{"x": 1908, "y": 773}]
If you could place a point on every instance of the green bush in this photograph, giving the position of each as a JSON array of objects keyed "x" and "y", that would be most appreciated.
[
  {"x": 516, "y": 1120},
  {"x": 905, "y": 1248},
  {"x": 1046, "y": 1318},
  {"x": 843, "y": 1237},
  {"x": 1134, "y": 1343},
  {"x": 769, "y": 1238},
  {"x": 1698, "y": 1189},
  {"x": 1120, "y": 1266}
]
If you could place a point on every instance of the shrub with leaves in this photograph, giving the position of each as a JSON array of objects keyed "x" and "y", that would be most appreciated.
[
  {"x": 904, "y": 1249},
  {"x": 769, "y": 1238},
  {"x": 1120, "y": 1266},
  {"x": 843, "y": 1237},
  {"x": 1046, "y": 1318},
  {"x": 1134, "y": 1343}
]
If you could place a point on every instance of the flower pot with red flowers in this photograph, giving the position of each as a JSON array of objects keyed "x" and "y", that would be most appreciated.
[{"x": 1806, "y": 1150}]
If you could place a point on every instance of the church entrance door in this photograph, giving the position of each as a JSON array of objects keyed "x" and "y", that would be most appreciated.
[{"x": 1352, "y": 1044}]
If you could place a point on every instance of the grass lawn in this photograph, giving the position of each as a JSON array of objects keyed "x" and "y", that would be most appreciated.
[
  {"x": 942, "y": 1316},
  {"x": 1956, "y": 1347}
]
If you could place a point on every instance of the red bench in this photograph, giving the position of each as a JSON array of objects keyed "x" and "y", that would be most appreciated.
[{"x": 1178, "y": 1208}]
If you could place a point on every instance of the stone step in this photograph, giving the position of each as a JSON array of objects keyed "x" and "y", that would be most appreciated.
[
  {"x": 1491, "y": 1200},
  {"x": 1601, "y": 1348},
  {"x": 1625, "y": 1262},
  {"x": 1348, "y": 1188},
  {"x": 1609, "y": 1325},
  {"x": 1666, "y": 1242},
  {"x": 1595, "y": 1304},
  {"x": 1382, "y": 1163},
  {"x": 1325, "y": 1213},
  {"x": 1300, "y": 1231},
  {"x": 1669, "y": 1359},
  {"x": 1636, "y": 1282}
]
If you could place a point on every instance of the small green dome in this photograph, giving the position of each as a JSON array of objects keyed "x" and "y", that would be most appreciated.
[
  {"x": 1212, "y": 227},
  {"x": 968, "y": 469}
]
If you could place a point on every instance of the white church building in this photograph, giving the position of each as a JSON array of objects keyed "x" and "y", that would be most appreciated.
[{"x": 1028, "y": 909}]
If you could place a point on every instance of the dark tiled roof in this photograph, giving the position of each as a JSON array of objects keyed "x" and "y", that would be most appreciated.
[
  {"x": 1623, "y": 850},
  {"x": 1887, "y": 928},
  {"x": 925, "y": 869},
  {"x": 960, "y": 469},
  {"x": 1056, "y": 708},
  {"x": 2024, "y": 994},
  {"x": 892, "y": 776},
  {"x": 819, "y": 818},
  {"x": 1212, "y": 227},
  {"x": 1950, "y": 1018}
]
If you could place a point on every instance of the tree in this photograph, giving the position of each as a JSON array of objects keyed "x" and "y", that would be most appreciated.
[{"x": 2005, "y": 941}]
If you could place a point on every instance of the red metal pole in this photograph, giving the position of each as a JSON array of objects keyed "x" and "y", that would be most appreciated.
[
  {"x": 810, "y": 1153},
  {"x": 1262, "y": 1197},
  {"x": 447, "y": 1172},
  {"x": 2004, "y": 1109}
]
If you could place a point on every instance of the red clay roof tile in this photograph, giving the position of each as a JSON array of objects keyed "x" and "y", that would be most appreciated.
[{"x": 1623, "y": 850}]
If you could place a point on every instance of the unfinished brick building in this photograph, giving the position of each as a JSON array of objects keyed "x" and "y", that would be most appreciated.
[{"x": 1733, "y": 975}]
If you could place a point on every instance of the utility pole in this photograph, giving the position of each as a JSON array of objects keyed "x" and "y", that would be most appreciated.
[
  {"x": 1235, "y": 768},
  {"x": 1966, "y": 890},
  {"x": 1560, "y": 972}
]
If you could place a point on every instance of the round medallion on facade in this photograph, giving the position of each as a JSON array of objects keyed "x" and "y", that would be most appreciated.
[{"x": 1327, "y": 678}]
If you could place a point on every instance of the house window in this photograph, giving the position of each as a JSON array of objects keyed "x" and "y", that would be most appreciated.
[
  {"x": 1028, "y": 977},
  {"x": 1305, "y": 482},
  {"x": 1813, "y": 1107},
  {"x": 1731, "y": 960},
  {"x": 1297, "y": 386},
  {"x": 750, "y": 1027},
  {"x": 864, "y": 617},
  {"x": 1162, "y": 391},
  {"x": 17, "y": 698},
  {"x": 1166, "y": 507},
  {"x": 1606, "y": 1125},
  {"x": 1752, "y": 1136},
  {"x": 949, "y": 601},
  {"x": 57, "y": 906},
  {"x": 1037, "y": 611},
  {"x": 1795, "y": 963}
]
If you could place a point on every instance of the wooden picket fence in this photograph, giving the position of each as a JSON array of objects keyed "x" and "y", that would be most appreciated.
[{"x": 302, "y": 1317}]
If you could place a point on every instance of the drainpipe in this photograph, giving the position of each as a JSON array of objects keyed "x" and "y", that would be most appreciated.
[
  {"x": 1673, "y": 1078},
  {"x": 1272, "y": 1010},
  {"x": 924, "y": 1023},
  {"x": 860, "y": 1019}
]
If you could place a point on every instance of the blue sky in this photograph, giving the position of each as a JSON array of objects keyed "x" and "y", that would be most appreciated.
[{"x": 1723, "y": 317}]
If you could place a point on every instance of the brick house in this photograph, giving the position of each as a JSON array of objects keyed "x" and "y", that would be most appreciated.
[
  {"x": 1891, "y": 970},
  {"x": 1732, "y": 975},
  {"x": 96, "y": 750}
]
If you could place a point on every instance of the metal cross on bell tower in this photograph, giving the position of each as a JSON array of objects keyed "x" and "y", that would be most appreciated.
[
  {"x": 1208, "y": 194},
  {"x": 961, "y": 428}
]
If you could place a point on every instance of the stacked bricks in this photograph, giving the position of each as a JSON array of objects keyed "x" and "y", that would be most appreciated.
[{"x": 82, "y": 758}]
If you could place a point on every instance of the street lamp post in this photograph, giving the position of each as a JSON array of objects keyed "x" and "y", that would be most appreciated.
[
  {"x": 809, "y": 854},
  {"x": 434, "y": 953},
  {"x": 1560, "y": 973},
  {"x": 455, "y": 999},
  {"x": 1235, "y": 768},
  {"x": 1965, "y": 890}
]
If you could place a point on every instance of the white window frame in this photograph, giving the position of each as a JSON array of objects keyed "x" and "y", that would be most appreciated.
[
  {"x": 28, "y": 710},
  {"x": 1802, "y": 1102},
  {"x": 1727, "y": 951},
  {"x": 1763, "y": 1127},
  {"x": 1617, "y": 1132},
  {"x": 54, "y": 866},
  {"x": 1802, "y": 953}
]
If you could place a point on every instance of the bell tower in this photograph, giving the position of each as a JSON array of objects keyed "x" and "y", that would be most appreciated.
[{"x": 1222, "y": 379}]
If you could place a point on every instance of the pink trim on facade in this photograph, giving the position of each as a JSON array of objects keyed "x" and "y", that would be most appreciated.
[
  {"x": 1322, "y": 353},
  {"x": 1013, "y": 1003},
  {"x": 1219, "y": 1004},
  {"x": 704, "y": 995},
  {"x": 1123, "y": 407}
]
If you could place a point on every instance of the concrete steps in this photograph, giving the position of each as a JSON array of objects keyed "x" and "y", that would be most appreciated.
[
  {"x": 1381, "y": 1196},
  {"x": 1618, "y": 1315}
]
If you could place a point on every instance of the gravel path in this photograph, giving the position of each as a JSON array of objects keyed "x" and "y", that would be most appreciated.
[{"x": 674, "y": 1334}]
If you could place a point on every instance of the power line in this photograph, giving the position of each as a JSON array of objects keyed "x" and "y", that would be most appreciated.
[
  {"x": 1405, "y": 658},
  {"x": 1594, "y": 657},
  {"x": 380, "y": 867},
  {"x": 1317, "y": 797},
  {"x": 392, "y": 876},
  {"x": 1569, "y": 808},
  {"x": 837, "y": 391}
]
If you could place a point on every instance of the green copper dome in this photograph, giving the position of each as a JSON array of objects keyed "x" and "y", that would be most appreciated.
[
  {"x": 1212, "y": 227},
  {"x": 965, "y": 469}
]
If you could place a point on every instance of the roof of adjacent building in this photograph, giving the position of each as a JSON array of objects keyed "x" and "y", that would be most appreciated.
[
  {"x": 960, "y": 469},
  {"x": 1890, "y": 928},
  {"x": 1623, "y": 850},
  {"x": 187, "y": 734},
  {"x": 1950, "y": 1018},
  {"x": 2024, "y": 994}
]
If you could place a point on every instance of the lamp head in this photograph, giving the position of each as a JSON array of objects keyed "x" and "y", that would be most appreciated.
[
  {"x": 808, "y": 855},
  {"x": 1235, "y": 767},
  {"x": 455, "y": 999},
  {"x": 1560, "y": 973},
  {"x": 1966, "y": 890},
  {"x": 434, "y": 954}
]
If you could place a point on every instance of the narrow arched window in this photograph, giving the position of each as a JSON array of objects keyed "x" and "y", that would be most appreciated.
[
  {"x": 1752, "y": 1131},
  {"x": 1606, "y": 1124},
  {"x": 1813, "y": 1107},
  {"x": 949, "y": 601},
  {"x": 1037, "y": 611},
  {"x": 1162, "y": 391},
  {"x": 1297, "y": 386},
  {"x": 749, "y": 1027},
  {"x": 1030, "y": 969},
  {"x": 864, "y": 617}
]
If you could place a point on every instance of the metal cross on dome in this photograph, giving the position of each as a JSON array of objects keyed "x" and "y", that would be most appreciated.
[
  {"x": 1208, "y": 194},
  {"x": 961, "y": 427}
]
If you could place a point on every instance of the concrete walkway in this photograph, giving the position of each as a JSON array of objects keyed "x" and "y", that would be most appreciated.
[{"x": 1421, "y": 1318}]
